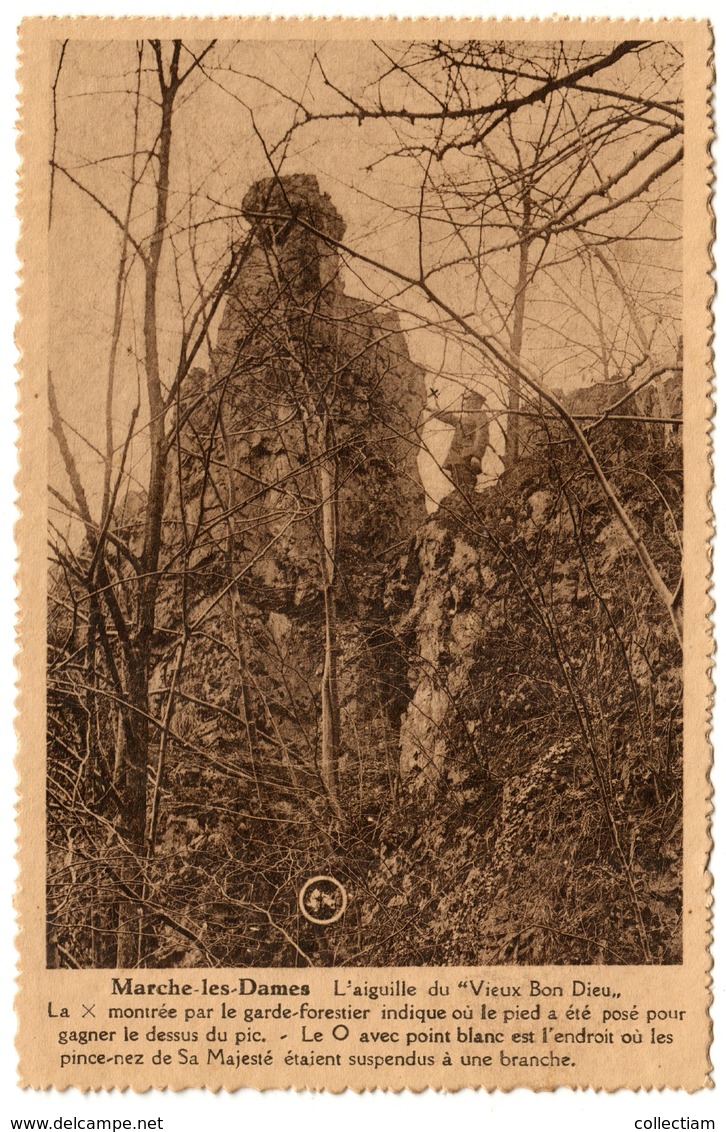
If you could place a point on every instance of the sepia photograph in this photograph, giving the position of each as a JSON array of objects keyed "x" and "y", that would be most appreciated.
[{"x": 365, "y": 501}]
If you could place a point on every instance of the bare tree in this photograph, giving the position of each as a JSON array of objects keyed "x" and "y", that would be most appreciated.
[
  {"x": 571, "y": 178},
  {"x": 120, "y": 568}
]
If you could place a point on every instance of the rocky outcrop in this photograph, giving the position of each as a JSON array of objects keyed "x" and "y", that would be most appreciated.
[
  {"x": 544, "y": 727},
  {"x": 533, "y": 545},
  {"x": 308, "y": 418},
  {"x": 447, "y": 626}
]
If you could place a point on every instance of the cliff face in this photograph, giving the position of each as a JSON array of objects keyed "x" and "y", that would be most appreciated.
[
  {"x": 540, "y": 751},
  {"x": 299, "y": 462}
]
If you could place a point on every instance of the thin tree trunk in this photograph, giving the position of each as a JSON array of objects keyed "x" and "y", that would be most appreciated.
[
  {"x": 136, "y": 754},
  {"x": 512, "y": 443},
  {"x": 330, "y": 716},
  {"x": 131, "y": 788}
]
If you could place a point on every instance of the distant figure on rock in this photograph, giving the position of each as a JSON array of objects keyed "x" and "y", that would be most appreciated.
[{"x": 470, "y": 440}]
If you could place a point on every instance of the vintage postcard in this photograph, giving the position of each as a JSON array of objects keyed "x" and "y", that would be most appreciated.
[{"x": 365, "y": 639}]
